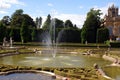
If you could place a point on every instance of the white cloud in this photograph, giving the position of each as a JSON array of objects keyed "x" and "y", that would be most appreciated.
[
  {"x": 50, "y": 4},
  {"x": 75, "y": 18},
  {"x": 53, "y": 12},
  {"x": 81, "y": 7},
  {"x": 3, "y": 12},
  {"x": 6, "y": 4},
  {"x": 104, "y": 9}
]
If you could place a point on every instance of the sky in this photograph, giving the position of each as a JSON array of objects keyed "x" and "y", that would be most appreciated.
[{"x": 74, "y": 10}]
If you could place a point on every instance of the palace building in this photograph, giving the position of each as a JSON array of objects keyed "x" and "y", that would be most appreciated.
[{"x": 112, "y": 22}]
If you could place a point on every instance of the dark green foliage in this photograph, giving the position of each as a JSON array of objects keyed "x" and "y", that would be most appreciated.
[
  {"x": 17, "y": 12},
  {"x": 115, "y": 44},
  {"x": 90, "y": 26},
  {"x": 68, "y": 24},
  {"x": 47, "y": 23},
  {"x": 102, "y": 35},
  {"x": 38, "y": 22},
  {"x": 6, "y": 20},
  {"x": 84, "y": 34},
  {"x": 21, "y": 27},
  {"x": 11, "y": 33},
  {"x": 24, "y": 32},
  {"x": 59, "y": 23},
  {"x": 18, "y": 17},
  {"x": 33, "y": 34},
  {"x": 39, "y": 35},
  {"x": 69, "y": 35},
  {"x": 2, "y": 31}
]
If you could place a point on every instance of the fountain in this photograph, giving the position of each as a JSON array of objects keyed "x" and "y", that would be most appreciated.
[
  {"x": 64, "y": 58},
  {"x": 49, "y": 38},
  {"x": 53, "y": 37}
]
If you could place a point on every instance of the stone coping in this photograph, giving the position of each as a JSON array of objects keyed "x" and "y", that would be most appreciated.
[{"x": 106, "y": 57}]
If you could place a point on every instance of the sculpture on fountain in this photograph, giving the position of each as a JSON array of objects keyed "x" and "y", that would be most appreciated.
[
  {"x": 11, "y": 42},
  {"x": 6, "y": 43}
]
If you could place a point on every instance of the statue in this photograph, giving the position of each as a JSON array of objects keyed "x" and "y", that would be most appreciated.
[
  {"x": 4, "y": 41},
  {"x": 11, "y": 42}
]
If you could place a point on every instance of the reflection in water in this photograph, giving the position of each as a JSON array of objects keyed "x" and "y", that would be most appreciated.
[{"x": 26, "y": 76}]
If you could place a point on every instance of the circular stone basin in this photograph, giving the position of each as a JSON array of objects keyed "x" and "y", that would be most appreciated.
[
  {"x": 26, "y": 76},
  {"x": 46, "y": 60},
  {"x": 60, "y": 60}
]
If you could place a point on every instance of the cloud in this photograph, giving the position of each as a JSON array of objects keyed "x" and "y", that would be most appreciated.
[
  {"x": 3, "y": 12},
  {"x": 50, "y": 4},
  {"x": 75, "y": 18},
  {"x": 53, "y": 12},
  {"x": 6, "y": 4},
  {"x": 104, "y": 9},
  {"x": 81, "y": 7}
]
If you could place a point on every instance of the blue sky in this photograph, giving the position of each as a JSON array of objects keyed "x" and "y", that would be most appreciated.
[{"x": 75, "y": 10}]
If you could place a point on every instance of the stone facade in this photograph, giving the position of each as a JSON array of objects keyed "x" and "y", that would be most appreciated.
[{"x": 112, "y": 21}]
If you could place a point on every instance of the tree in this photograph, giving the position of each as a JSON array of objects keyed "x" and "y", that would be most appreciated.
[
  {"x": 59, "y": 23},
  {"x": 17, "y": 13},
  {"x": 102, "y": 35},
  {"x": 24, "y": 32},
  {"x": 47, "y": 23},
  {"x": 84, "y": 34},
  {"x": 11, "y": 33},
  {"x": 18, "y": 17},
  {"x": 90, "y": 26},
  {"x": 38, "y": 22},
  {"x": 68, "y": 24},
  {"x": 69, "y": 35},
  {"x": 33, "y": 34},
  {"x": 2, "y": 31},
  {"x": 6, "y": 20}
]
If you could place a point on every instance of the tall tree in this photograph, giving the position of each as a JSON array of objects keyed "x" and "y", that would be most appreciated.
[
  {"x": 90, "y": 26},
  {"x": 24, "y": 32},
  {"x": 2, "y": 31},
  {"x": 38, "y": 22},
  {"x": 47, "y": 23},
  {"x": 68, "y": 24},
  {"x": 102, "y": 35},
  {"x": 33, "y": 34},
  {"x": 59, "y": 23},
  {"x": 18, "y": 17},
  {"x": 6, "y": 20},
  {"x": 17, "y": 13}
]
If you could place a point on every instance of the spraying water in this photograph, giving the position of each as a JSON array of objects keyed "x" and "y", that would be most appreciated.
[
  {"x": 53, "y": 30},
  {"x": 49, "y": 38}
]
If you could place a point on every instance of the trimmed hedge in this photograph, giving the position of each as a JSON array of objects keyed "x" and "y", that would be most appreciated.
[{"x": 115, "y": 44}]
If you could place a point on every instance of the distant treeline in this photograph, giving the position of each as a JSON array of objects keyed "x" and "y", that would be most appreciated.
[{"x": 22, "y": 28}]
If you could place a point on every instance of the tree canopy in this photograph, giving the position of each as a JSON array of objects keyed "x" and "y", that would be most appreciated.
[
  {"x": 68, "y": 24},
  {"x": 47, "y": 23},
  {"x": 90, "y": 26},
  {"x": 18, "y": 17}
]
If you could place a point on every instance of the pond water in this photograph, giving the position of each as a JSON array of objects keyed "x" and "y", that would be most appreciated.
[
  {"x": 46, "y": 60},
  {"x": 60, "y": 60},
  {"x": 26, "y": 76},
  {"x": 113, "y": 72}
]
